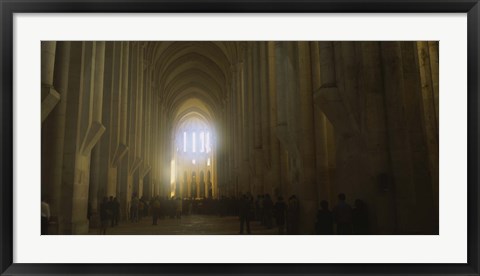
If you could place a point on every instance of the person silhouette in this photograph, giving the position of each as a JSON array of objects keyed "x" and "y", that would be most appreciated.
[
  {"x": 360, "y": 218},
  {"x": 104, "y": 216},
  {"x": 324, "y": 224},
  {"x": 280, "y": 214},
  {"x": 244, "y": 213},
  {"x": 343, "y": 216}
]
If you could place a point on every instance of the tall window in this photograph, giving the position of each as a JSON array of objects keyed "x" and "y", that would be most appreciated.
[
  {"x": 184, "y": 141},
  {"x": 202, "y": 141},
  {"x": 208, "y": 142},
  {"x": 193, "y": 142}
]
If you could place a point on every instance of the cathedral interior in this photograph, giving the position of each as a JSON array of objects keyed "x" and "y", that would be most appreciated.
[{"x": 213, "y": 121}]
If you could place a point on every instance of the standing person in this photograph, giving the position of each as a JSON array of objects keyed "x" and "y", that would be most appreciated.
[
  {"x": 324, "y": 224},
  {"x": 111, "y": 206},
  {"x": 178, "y": 208},
  {"x": 45, "y": 212},
  {"x": 360, "y": 218},
  {"x": 134, "y": 209},
  {"x": 155, "y": 210},
  {"x": 343, "y": 216},
  {"x": 268, "y": 211},
  {"x": 141, "y": 206},
  {"x": 292, "y": 215},
  {"x": 260, "y": 205},
  {"x": 280, "y": 213},
  {"x": 104, "y": 216},
  {"x": 115, "y": 211},
  {"x": 244, "y": 213}
]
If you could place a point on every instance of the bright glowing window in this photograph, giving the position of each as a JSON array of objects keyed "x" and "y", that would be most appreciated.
[
  {"x": 208, "y": 142},
  {"x": 184, "y": 141},
  {"x": 208, "y": 162},
  {"x": 202, "y": 141},
  {"x": 193, "y": 142}
]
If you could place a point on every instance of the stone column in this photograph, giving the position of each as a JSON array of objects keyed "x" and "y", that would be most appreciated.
[
  {"x": 83, "y": 129},
  {"x": 398, "y": 138},
  {"x": 280, "y": 67},
  {"x": 53, "y": 140},
  {"x": 95, "y": 128},
  {"x": 381, "y": 200},
  {"x": 428, "y": 67},
  {"x": 272, "y": 99},
  {"x": 124, "y": 99},
  {"x": 320, "y": 121},
  {"x": 307, "y": 188},
  {"x": 265, "y": 118},
  {"x": 95, "y": 196},
  {"x": 121, "y": 156},
  {"x": 427, "y": 218},
  {"x": 115, "y": 91},
  {"x": 134, "y": 161},
  {"x": 140, "y": 106},
  {"x": 50, "y": 96},
  {"x": 250, "y": 114},
  {"x": 70, "y": 140},
  {"x": 257, "y": 120},
  {"x": 146, "y": 129},
  {"x": 101, "y": 169},
  {"x": 433, "y": 55},
  {"x": 288, "y": 105}
]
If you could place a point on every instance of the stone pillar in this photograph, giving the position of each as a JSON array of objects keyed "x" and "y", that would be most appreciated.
[
  {"x": 398, "y": 138},
  {"x": 288, "y": 105},
  {"x": 114, "y": 90},
  {"x": 381, "y": 200},
  {"x": 250, "y": 121},
  {"x": 140, "y": 110},
  {"x": 265, "y": 118},
  {"x": 82, "y": 132},
  {"x": 280, "y": 70},
  {"x": 100, "y": 163},
  {"x": 320, "y": 121},
  {"x": 124, "y": 98},
  {"x": 121, "y": 157},
  {"x": 95, "y": 129},
  {"x": 427, "y": 219},
  {"x": 428, "y": 67},
  {"x": 70, "y": 140},
  {"x": 273, "y": 141},
  {"x": 307, "y": 188},
  {"x": 433, "y": 56},
  {"x": 146, "y": 129},
  {"x": 48, "y": 61},
  {"x": 134, "y": 161},
  {"x": 53, "y": 133},
  {"x": 257, "y": 120},
  {"x": 95, "y": 196},
  {"x": 50, "y": 97}
]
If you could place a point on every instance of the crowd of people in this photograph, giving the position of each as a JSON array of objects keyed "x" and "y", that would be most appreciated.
[
  {"x": 281, "y": 214},
  {"x": 109, "y": 213},
  {"x": 348, "y": 220}
]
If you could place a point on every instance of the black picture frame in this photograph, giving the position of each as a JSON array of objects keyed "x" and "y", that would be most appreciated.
[{"x": 9, "y": 7}]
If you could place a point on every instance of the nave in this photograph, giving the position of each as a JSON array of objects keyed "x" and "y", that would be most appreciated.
[{"x": 197, "y": 120}]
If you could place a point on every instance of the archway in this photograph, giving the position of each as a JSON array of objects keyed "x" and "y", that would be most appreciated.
[{"x": 193, "y": 151}]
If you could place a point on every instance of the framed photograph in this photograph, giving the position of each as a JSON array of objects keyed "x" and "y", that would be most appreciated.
[{"x": 236, "y": 137}]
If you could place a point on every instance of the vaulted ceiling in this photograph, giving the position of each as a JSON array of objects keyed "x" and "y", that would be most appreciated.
[{"x": 186, "y": 70}]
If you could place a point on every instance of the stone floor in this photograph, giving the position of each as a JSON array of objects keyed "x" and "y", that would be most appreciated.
[{"x": 187, "y": 225}]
